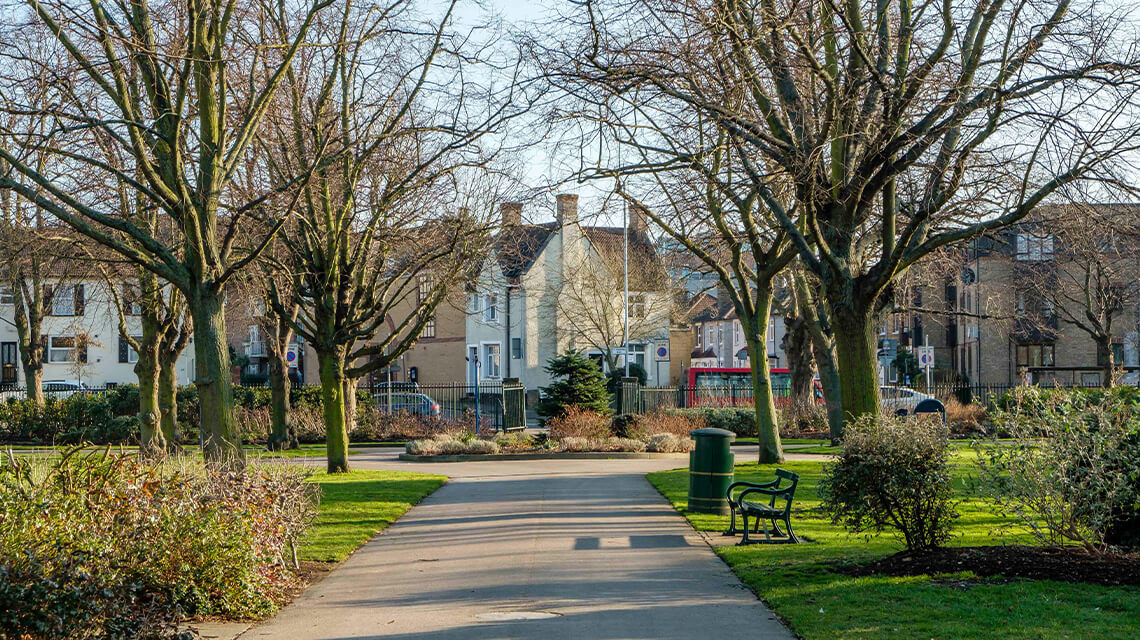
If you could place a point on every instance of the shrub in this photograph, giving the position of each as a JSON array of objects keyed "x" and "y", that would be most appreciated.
[
  {"x": 965, "y": 419},
  {"x": 151, "y": 543},
  {"x": 678, "y": 424},
  {"x": 804, "y": 420},
  {"x": 516, "y": 441},
  {"x": 579, "y": 383},
  {"x": 668, "y": 443},
  {"x": 607, "y": 444},
  {"x": 577, "y": 422},
  {"x": 452, "y": 444},
  {"x": 892, "y": 473},
  {"x": 1071, "y": 473},
  {"x": 742, "y": 422}
]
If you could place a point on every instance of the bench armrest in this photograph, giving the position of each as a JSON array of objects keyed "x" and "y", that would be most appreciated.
[
  {"x": 751, "y": 485},
  {"x": 786, "y": 493}
]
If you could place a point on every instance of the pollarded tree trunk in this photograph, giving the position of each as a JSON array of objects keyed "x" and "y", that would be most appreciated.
[
  {"x": 283, "y": 435},
  {"x": 221, "y": 440},
  {"x": 855, "y": 350},
  {"x": 756, "y": 337},
  {"x": 331, "y": 367},
  {"x": 168, "y": 404}
]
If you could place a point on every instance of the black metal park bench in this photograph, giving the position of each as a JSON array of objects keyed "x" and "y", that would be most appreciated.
[{"x": 763, "y": 513}]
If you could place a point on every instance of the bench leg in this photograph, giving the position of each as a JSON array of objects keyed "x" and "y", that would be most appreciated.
[
  {"x": 732, "y": 530},
  {"x": 745, "y": 540},
  {"x": 791, "y": 535}
]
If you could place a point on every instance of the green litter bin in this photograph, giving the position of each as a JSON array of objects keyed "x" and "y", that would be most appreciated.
[{"x": 710, "y": 470}]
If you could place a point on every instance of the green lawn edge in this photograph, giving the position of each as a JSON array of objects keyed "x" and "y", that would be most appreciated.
[
  {"x": 357, "y": 505},
  {"x": 804, "y": 587}
]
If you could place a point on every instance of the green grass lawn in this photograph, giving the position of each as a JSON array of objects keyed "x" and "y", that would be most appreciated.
[
  {"x": 801, "y": 582},
  {"x": 356, "y": 505}
]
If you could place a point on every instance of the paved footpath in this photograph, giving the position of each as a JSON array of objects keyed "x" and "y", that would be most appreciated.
[{"x": 582, "y": 549}]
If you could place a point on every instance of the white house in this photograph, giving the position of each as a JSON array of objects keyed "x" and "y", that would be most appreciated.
[
  {"x": 548, "y": 288},
  {"x": 81, "y": 339}
]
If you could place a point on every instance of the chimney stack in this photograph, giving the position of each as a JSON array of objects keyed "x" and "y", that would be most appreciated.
[
  {"x": 511, "y": 213},
  {"x": 638, "y": 219},
  {"x": 566, "y": 211}
]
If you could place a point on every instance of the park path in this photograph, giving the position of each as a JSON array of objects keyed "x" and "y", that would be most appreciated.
[{"x": 590, "y": 541}]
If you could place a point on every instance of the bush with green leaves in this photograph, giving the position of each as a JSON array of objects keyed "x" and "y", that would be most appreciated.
[
  {"x": 127, "y": 542},
  {"x": 578, "y": 383},
  {"x": 1072, "y": 471},
  {"x": 893, "y": 474}
]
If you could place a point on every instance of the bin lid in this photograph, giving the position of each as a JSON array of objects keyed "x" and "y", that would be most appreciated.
[{"x": 710, "y": 432}]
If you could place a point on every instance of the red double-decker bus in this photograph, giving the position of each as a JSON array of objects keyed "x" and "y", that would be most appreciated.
[{"x": 732, "y": 387}]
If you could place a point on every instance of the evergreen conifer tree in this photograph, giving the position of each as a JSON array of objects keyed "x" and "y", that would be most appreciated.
[{"x": 579, "y": 383}]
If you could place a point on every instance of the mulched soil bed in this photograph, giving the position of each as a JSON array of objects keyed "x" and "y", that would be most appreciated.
[{"x": 1064, "y": 564}]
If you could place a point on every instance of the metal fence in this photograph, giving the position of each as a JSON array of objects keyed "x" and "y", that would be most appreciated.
[
  {"x": 499, "y": 405},
  {"x": 637, "y": 399},
  {"x": 58, "y": 392}
]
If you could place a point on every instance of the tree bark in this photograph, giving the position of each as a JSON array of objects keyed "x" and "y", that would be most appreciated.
[
  {"x": 151, "y": 438},
  {"x": 797, "y": 345},
  {"x": 350, "y": 404},
  {"x": 1108, "y": 370},
  {"x": 756, "y": 337},
  {"x": 283, "y": 435},
  {"x": 855, "y": 350},
  {"x": 221, "y": 440},
  {"x": 331, "y": 367},
  {"x": 168, "y": 405}
]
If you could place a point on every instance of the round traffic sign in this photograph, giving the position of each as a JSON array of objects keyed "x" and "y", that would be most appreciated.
[{"x": 662, "y": 352}]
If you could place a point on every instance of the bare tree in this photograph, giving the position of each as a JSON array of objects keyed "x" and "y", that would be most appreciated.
[
  {"x": 155, "y": 82},
  {"x": 878, "y": 132},
  {"x": 390, "y": 227},
  {"x": 590, "y": 293},
  {"x": 1087, "y": 274}
]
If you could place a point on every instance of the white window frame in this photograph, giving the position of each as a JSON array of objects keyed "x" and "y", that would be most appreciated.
[
  {"x": 521, "y": 349},
  {"x": 491, "y": 307},
  {"x": 7, "y": 295},
  {"x": 429, "y": 328},
  {"x": 67, "y": 354},
  {"x": 131, "y": 295},
  {"x": 132, "y": 355},
  {"x": 63, "y": 293},
  {"x": 485, "y": 360}
]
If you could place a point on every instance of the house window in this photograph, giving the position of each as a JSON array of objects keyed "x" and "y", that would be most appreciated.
[
  {"x": 1032, "y": 247},
  {"x": 516, "y": 348},
  {"x": 698, "y": 336},
  {"x": 637, "y": 306},
  {"x": 62, "y": 349},
  {"x": 425, "y": 287},
  {"x": 491, "y": 361},
  {"x": 6, "y": 295},
  {"x": 491, "y": 307},
  {"x": 1035, "y": 355},
  {"x": 67, "y": 301},
  {"x": 132, "y": 355},
  {"x": 429, "y": 328},
  {"x": 711, "y": 335},
  {"x": 637, "y": 354}
]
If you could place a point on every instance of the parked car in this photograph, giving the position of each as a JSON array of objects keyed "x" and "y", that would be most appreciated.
[
  {"x": 405, "y": 387},
  {"x": 64, "y": 388},
  {"x": 900, "y": 401},
  {"x": 415, "y": 403}
]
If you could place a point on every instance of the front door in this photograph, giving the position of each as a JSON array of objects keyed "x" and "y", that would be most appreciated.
[{"x": 8, "y": 363}]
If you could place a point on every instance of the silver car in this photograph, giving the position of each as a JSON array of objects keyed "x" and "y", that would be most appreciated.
[
  {"x": 900, "y": 401},
  {"x": 417, "y": 403}
]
